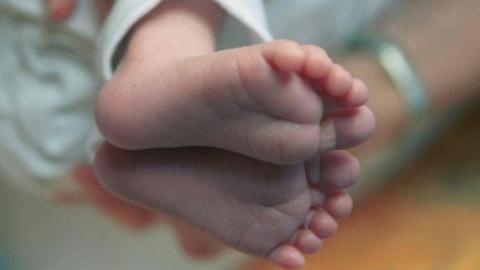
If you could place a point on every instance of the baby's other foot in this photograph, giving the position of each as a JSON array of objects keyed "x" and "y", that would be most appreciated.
[
  {"x": 256, "y": 207},
  {"x": 265, "y": 101}
]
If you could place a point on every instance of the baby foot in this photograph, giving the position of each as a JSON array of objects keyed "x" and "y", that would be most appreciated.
[
  {"x": 264, "y": 101},
  {"x": 256, "y": 207}
]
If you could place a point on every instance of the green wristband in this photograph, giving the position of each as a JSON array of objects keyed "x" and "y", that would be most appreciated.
[{"x": 400, "y": 69}]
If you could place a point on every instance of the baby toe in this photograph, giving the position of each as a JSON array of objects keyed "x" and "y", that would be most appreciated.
[
  {"x": 307, "y": 241},
  {"x": 346, "y": 129},
  {"x": 287, "y": 256},
  {"x": 322, "y": 224},
  {"x": 286, "y": 55},
  {"x": 339, "y": 205},
  {"x": 340, "y": 170},
  {"x": 356, "y": 96},
  {"x": 338, "y": 82},
  {"x": 317, "y": 62}
]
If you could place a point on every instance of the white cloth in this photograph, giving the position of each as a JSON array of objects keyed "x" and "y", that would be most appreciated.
[{"x": 48, "y": 83}]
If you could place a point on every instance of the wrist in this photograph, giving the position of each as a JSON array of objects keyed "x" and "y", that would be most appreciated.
[{"x": 444, "y": 48}]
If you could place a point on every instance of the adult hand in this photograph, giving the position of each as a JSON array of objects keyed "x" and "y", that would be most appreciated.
[
  {"x": 61, "y": 10},
  {"x": 130, "y": 215},
  {"x": 194, "y": 242}
]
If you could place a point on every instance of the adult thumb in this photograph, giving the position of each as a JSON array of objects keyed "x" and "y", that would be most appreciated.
[{"x": 60, "y": 10}]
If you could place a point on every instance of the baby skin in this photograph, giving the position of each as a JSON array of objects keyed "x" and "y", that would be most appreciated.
[{"x": 240, "y": 140}]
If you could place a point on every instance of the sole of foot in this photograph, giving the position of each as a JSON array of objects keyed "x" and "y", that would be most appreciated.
[{"x": 256, "y": 207}]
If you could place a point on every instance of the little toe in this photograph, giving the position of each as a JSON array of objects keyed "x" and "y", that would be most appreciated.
[
  {"x": 322, "y": 224},
  {"x": 317, "y": 62},
  {"x": 286, "y": 55},
  {"x": 356, "y": 96},
  {"x": 339, "y": 205},
  {"x": 339, "y": 170},
  {"x": 307, "y": 241},
  {"x": 345, "y": 129},
  {"x": 338, "y": 82},
  {"x": 287, "y": 256}
]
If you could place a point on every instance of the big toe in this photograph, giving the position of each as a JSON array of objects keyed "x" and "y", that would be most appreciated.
[
  {"x": 286, "y": 55},
  {"x": 345, "y": 129}
]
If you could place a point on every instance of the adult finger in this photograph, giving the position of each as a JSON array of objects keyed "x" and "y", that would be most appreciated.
[{"x": 60, "y": 10}]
